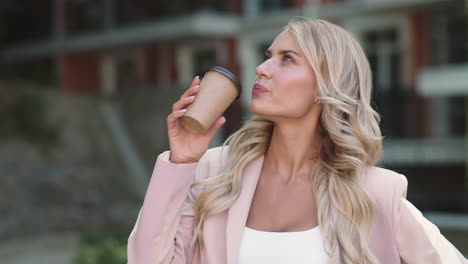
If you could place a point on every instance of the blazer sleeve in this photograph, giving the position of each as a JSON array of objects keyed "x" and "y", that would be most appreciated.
[
  {"x": 163, "y": 229},
  {"x": 418, "y": 240}
]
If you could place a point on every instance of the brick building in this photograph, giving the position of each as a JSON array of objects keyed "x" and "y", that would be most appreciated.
[{"x": 104, "y": 46}]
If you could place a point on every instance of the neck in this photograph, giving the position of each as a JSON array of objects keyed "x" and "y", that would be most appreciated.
[{"x": 293, "y": 152}]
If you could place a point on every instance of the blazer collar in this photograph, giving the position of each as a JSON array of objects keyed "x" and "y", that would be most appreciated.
[{"x": 238, "y": 213}]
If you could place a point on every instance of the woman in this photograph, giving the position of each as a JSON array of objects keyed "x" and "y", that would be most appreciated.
[{"x": 298, "y": 182}]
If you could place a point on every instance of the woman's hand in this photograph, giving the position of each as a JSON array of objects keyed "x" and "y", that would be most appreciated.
[{"x": 186, "y": 146}]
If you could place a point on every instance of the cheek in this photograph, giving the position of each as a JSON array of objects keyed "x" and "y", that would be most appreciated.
[
  {"x": 297, "y": 94},
  {"x": 291, "y": 102},
  {"x": 299, "y": 89}
]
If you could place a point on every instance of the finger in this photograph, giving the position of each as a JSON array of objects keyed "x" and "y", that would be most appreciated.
[
  {"x": 172, "y": 118},
  {"x": 195, "y": 82},
  {"x": 193, "y": 90},
  {"x": 183, "y": 103},
  {"x": 219, "y": 122}
]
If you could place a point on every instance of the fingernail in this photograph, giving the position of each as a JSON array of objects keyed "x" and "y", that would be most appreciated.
[
  {"x": 191, "y": 97},
  {"x": 196, "y": 86},
  {"x": 183, "y": 110},
  {"x": 197, "y": 77}
]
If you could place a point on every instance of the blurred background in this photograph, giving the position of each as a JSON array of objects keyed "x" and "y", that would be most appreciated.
[{"x": 86, "y": 85}]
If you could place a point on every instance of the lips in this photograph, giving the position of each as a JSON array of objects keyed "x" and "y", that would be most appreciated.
[{"x": 258, "y": 87}]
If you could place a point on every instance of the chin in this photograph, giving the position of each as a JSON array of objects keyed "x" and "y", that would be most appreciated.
[
  {"x": 254, "y": 108},
  {"x": 256, "y": 111}
]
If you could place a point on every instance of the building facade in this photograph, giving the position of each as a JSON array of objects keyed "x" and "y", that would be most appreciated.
[{"x": 105, "y": 46}]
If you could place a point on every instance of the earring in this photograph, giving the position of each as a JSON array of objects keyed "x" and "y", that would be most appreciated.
[{"x": 317, "y": 100}]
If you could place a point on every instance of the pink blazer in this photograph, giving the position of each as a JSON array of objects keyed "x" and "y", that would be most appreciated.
[{"x": 163, "y": 229}]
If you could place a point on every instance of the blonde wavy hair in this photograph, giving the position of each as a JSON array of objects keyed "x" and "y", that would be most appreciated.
[{"x": 351, "y": 140}]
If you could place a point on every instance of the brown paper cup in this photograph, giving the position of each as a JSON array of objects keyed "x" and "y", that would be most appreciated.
[{"x": 218, "y": 89}]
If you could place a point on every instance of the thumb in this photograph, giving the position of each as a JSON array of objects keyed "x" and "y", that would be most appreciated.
[{"x": 219, "y": 122}]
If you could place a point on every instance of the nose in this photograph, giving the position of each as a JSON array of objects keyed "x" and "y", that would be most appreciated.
[{"x": 262, "y": 71}]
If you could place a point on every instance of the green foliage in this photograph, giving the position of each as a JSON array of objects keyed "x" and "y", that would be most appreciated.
[{"x": 99, "y": 248}]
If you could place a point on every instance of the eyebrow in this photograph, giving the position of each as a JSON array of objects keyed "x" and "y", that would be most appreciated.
[{"x": 268, "y": 52}]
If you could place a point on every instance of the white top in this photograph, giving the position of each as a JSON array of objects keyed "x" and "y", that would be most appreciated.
[{"x": 282, "y": 247}]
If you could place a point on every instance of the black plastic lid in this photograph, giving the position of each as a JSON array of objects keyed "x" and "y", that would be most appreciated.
[{"x": 230, "y": 75}]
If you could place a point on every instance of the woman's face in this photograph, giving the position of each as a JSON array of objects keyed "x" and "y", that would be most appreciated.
[{"x": 289, "y": 80}]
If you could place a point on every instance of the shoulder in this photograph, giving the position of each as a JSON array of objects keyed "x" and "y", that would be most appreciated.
[
  {"x": 384, "y": 186},
  {"x": 215, "y": 153},
  {"x": 209, "y": 166},
  {"x": 212, "y": 161},
  {"x": 216, "y": 156}
]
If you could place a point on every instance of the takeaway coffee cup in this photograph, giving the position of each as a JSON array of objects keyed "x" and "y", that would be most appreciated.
[{"x": 218, "y": 89}]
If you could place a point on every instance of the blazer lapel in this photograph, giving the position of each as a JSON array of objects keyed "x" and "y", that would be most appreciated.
[{"x": 238, "y": 213}]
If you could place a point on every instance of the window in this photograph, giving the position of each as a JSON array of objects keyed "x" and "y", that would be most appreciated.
[
  {"x": 457, "y": 116},
  {"x": 84, "y": 16},
  {"x": 16, "y": 24},
  {"x": 388, "y": 99},
  {"x": 271, "y": 5},
  {"x": 449, "y": 35},
  {"x": 203, "y": 59}
]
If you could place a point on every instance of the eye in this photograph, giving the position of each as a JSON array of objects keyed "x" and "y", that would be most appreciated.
[{"x": 287, "y": 57}]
